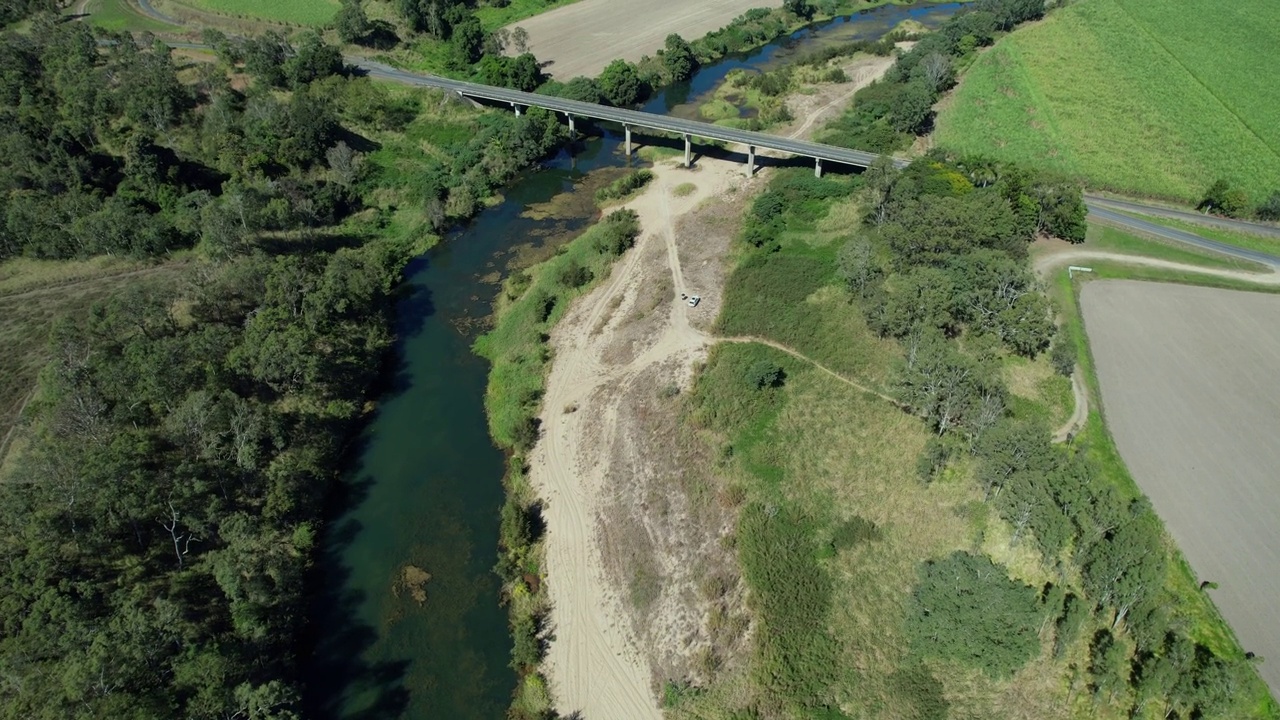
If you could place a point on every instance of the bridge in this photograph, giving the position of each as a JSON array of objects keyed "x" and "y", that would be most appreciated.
[{"x": 629, "y": 119}]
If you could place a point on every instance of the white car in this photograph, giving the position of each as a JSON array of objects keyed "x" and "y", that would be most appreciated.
[{"x": 694, "y": 300}]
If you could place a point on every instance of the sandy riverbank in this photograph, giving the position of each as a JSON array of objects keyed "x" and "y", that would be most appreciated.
[{"x": 629, "y": 544}]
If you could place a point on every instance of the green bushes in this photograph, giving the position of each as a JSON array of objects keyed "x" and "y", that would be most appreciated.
[
  {"x": 624, "y": 186},
  {"x": 965, "y": 608},
  {"x": 617, "y": 233}
]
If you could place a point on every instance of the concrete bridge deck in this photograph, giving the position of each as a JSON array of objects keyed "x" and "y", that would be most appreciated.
[{"x": 632, "y": 119}]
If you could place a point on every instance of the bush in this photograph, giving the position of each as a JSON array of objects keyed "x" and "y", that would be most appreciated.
[
  {"x": 853, "y": 532},
  {"x": 1063, "y": 355},
  {"x": 764, "y": 374},
  {"x": 967, "y": 609},
  {"x": 1270, "y": 208},
  {"x": 575, "y": 275},
  {"x": 1222, "y": 198},
  {"x": 618, "y": 231},
  {"x": 625, "y": 185}
]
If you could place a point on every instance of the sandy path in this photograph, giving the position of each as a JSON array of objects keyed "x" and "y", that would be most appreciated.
[
  {"x": 580, "y": 39},
  {"x": 1187, "y": 378},
  {"x": 1079, "y": 415}
]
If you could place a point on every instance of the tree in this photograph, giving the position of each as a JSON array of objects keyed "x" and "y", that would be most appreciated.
[
  {"x": 764, "y": 374},
  {"x": 351, "y": 24},
  {"x": 1108, "y": 664},
  {"x": 855, "y": 264},
  {"x": 467, "y": 39},
  {"x": 1126, "y": 567},
  {"x": 265, "y": 57},
  {"x": 1270, "y": 209},
  {"x": 315, "y": 59},
  {"x": 678, "y": 58},
  {"x": 1062, "y": 211},
  {"x": 937, "y": 71},
  {"x": 914, "y": 108},
  {"x": 921, "y": 298},
  {"x": 800, "y": 8},
  {"x": 620, "y": 83},
  {"x": 946, "y": 387},
  {"x": 1062, "y": 354},
  {"x": 520, "y": 40},
  {"x": 1222, "y": 198},
  {"x": 967, "y": 609}
]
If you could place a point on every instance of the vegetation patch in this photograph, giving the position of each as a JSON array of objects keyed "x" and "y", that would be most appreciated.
[
  {"x": 294, "y": 12},
  {"x": 625, "y": 186},
  {"x": 1148, "y": 97}
]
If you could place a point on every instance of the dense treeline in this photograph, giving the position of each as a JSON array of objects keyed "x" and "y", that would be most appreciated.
[
  {"x": 161, "y": 516},
  {"x": 12, "y": 11},
  {"x": 941, "y": 265},
  {"x": 886, "y": 114}
]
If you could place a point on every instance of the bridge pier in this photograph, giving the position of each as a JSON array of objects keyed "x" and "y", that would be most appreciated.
[
  {"x": 817, "y": 167},
  {"x": 572, "y": 131},
  {"x": 627, "y": 129},
  {"x": 688, "y": 151},
  {"x": 751, "y": 160},
  {"x": 517, "y": 108}
]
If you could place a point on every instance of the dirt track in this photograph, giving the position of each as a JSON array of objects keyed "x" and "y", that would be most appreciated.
[
  {"x": 1188, "y": 380},
  {"x": 580, "y": 39}
]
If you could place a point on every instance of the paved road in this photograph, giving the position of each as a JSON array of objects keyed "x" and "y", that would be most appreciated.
[
  {"x": 1103, "y": 213},
  {"x": 1195, "y": 217}
]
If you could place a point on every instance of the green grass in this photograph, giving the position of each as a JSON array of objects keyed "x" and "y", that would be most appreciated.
[
  {"x": 297, "y": 12},
  {"x": 1249, "y": 241},
  {"x": 1149, "y": 96},
  {"x": 493, "y": 18},
  {"x": 1105, "y": 237},
  {"x": 118, "y": 16}
]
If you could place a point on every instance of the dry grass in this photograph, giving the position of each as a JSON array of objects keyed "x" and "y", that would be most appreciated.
[{"x": 36, "y": 294}]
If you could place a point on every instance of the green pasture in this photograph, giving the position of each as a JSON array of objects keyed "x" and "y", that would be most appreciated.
[
  {"x": 297, "y": 12},
  {"x": 1156, "y": 98},
  {"x": 118, "y": 16}
]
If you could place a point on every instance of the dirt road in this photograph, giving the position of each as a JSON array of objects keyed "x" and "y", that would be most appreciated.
[
  {"x": 1188, "y": 383},
  {"x": 580, "y": 39}
]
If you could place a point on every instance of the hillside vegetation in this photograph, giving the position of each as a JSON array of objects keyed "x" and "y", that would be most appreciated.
[
  {"x": 1156, "y": 98},
  {"x": 947, "y": 561}
]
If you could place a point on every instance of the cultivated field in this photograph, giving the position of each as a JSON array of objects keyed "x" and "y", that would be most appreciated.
[
  {"x": 582, "y": 38},
  {"x": 300, "y": 12},
  {"x": 1148, "y": 96},
  {"x": 1188, "y": 381}
]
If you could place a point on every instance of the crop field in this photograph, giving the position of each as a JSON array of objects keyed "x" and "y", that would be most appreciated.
[
  {"x": 298, "y": 12},
  {"x": 1186, "y": 375},
  {"x": 1157, "y": 98}
]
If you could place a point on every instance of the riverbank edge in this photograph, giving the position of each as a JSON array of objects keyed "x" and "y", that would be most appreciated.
[{"x": 530, "y": 304}]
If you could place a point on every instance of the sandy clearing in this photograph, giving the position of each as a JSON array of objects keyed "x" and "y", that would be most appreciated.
[
  {"x": 580, "y": 39},
  {"x": 1188, "y": 380},
  {"x": 594, "y": 663}
]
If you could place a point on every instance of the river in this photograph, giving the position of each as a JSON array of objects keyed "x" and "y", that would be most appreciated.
[{"x": 422, "y": 493}]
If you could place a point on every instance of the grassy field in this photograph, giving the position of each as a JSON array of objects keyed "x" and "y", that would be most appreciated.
[
  {"x": 1155, "y": 98},
  {"x": 118, "y": 16},
  {"x": 297, "y": 12}
]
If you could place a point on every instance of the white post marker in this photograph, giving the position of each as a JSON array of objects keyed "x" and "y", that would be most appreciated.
[{"x": 1073, "y": 269}]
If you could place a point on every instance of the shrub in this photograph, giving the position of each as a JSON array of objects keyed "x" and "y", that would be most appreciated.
[
  {"x": 575, "y": 275},
  {"x": 1063, "y": 355},
  {"x": 618, "y": 231},
  {"x": 967, "y": 609},
  {"x": 764, "y": 374},
  {"x": 625, "y": 185},
  {"x": 1222, "y": 198},
  {"x": 1270, "y": 208},
  {"x": 853, "y": 532}
]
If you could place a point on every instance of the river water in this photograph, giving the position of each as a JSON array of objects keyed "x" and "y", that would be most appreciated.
[{"x": 422, "y": 494}]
